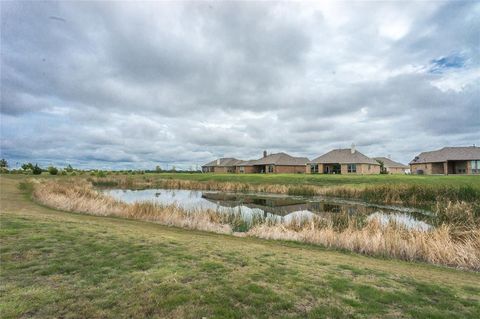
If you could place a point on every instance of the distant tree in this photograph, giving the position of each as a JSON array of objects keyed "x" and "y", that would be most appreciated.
[
  {"x": 383, "y": 169},
  {"x": 173, "y": 168},
  {"x": 3, "y": 163},
  {"x": 26, "y": 166},
  {"x": 158, "y": 169},
  {"x": 69, "y": 168},
  {"x": 36, "y": 170},
  {"x": 53, "y": 170}
]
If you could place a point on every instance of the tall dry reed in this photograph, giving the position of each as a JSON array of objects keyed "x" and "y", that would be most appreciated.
[{"x": 441, "y": 245}]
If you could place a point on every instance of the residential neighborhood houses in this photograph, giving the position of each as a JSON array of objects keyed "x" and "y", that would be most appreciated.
[
  {"x": 448, "y": 160},
  {"x": 392, "y": 167}
]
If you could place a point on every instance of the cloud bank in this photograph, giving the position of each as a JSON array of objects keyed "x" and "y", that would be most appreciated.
[{"x": 120, "y": 85}]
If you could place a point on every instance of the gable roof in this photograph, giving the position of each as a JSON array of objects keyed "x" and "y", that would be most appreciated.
[
  {"x": 465, "y": 153},
  {"x": 344, "y": 156},
  {"x": 224, "y": 161},
  {"x": 277, "y": 159},
  {"x": 389, "y": 163}
]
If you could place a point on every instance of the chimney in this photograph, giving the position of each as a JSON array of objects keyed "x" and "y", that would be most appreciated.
[
  {"x": 352, "y": 149},
  {"x": 265, "y": 153},
  {"x": 218, "y": 161}
]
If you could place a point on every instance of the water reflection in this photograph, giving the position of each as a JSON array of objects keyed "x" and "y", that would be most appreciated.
[{"x": 275, "y": 207}]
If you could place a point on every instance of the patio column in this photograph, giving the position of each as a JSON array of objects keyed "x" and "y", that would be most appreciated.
[{"x": 445, "y": 168}]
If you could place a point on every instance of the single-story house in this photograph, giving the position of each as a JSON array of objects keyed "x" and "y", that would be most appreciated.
[
  {"x": 448, "y": 160},
  {"x": 221, "y": 165},
  {"x": 279, "y": 163},
  {"x": 392, "y": 167},
  {"x": 343, "y": 161}
]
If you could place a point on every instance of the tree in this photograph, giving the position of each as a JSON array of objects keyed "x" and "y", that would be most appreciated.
[
  {"x": 52, "y": 170},
  {"x": 383, "y": 170},
  {"x": 158, "y": 169},
  {"x": 26, "y": 166},
  {"x": 69, "y": 168},
  {"x": 36, "y": 170},
  {"x": 3, "y": 163}
]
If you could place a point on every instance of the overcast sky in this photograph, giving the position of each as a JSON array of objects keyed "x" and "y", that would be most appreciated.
[{"x": 119, "y": 85}]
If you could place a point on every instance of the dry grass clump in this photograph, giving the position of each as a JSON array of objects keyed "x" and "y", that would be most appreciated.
[
  {"x": 454, "y": 242},
  {"x": 436, "y": 246}
]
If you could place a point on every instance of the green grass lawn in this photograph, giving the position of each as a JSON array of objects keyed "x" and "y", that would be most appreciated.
[
  {"x": 329, "y": 180},
  {"x": 58, "y": 264}
]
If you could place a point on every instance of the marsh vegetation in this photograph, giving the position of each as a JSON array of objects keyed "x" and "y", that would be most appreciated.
[{"x": 455, "y": 241}]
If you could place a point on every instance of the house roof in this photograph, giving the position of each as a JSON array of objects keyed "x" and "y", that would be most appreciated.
[
  {"x": 389, "y": 163},
  {"x": 224, "y": 161},
  {"x": 277, "y": 159},
  {"x": 344, "y": 156},
  {"x": 466, "y": 153}
]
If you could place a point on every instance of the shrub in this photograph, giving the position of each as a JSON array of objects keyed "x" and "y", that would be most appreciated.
[
  {"x": 36, "y": 170},
  {"x": 101, "y": 174},
  {"x": 53, "y": 170}
]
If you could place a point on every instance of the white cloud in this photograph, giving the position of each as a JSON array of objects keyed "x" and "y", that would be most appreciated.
[{"x": 122, "y": 85}]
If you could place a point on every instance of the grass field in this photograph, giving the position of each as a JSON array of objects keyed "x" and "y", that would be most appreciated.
[
  {"x": 330, "y": 180},
  {"x": 58, "y": 264}
]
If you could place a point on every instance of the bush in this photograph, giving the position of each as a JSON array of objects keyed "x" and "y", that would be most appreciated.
[
  {"x": 53, "y": 170},
  {"x": 36, "y": 170}
]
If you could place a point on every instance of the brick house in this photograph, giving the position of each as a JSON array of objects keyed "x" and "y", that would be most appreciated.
[
  {"x": 392, "y": 167},
  {"x": 221, "y": 165},
  {"x": 448, "y": 160},
  {"x": 343, "y": 161},
  {"x": 279, "y": 163}
]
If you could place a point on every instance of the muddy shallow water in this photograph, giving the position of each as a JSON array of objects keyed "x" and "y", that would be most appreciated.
[{"x": 273, "y": 206}]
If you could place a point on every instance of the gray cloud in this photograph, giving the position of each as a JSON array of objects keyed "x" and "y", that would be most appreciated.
[{"x": 123, "y": 85}]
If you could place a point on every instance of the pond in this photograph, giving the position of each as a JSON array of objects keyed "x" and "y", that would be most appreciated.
[{"x": 273, "y": 206}]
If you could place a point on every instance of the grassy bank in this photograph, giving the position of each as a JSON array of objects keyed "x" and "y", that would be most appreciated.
[
  {"x": 57, "y": 264},
  {"x": 453, "y": 244}
]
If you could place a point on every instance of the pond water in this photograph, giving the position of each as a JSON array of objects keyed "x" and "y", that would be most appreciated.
[{"x": 273, "y": 206}]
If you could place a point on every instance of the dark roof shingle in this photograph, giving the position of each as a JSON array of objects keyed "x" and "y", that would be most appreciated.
[
  {"x": 344, "y": 156},
  {"x": 461, "y": 153},
  {"x": 389, "y": 163}
]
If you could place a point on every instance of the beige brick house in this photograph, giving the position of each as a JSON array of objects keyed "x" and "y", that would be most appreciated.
[
  {"x": 392, "y": 167},
  {"x": 343, "y": 161},
  {"x": 279, "y": 163},
  {"x": 448, "y": 160},
  {"x": 221, "y": 165}
]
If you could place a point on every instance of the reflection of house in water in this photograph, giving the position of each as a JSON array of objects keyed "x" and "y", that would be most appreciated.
[
  {"x": 279, "y": 205},
  {"x": 274, "y": 205}
]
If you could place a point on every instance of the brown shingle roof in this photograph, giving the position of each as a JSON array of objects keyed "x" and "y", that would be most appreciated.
[
  {"x": 344, "y": 156},
  {"x": 389, "y": 163},
  {"x": 281, "y": 159},
  {"x": 277, "y": 159},
  {"x": 466, "y": 153},
  {"x": 225, "y": 161}
]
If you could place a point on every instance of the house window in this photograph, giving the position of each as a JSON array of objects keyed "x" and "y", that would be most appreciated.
[
  {"x": 351, "y": 168},
  {"x": 270, "y": 168},
  {"x": 242, "y": 169},
  {"x": 313, "y": 168},
  {"x": 369, "y": 167},
  {"x": 475, "y": 167}
]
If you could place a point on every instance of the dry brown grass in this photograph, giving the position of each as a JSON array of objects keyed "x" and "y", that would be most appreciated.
[
  {"x": 442, "y": 245},
  {"x": 82, "y": 198}
]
